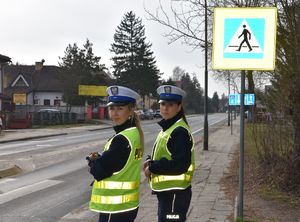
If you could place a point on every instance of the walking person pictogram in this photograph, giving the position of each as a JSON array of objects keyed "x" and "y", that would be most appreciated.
[{"x": 245, "y": 35}]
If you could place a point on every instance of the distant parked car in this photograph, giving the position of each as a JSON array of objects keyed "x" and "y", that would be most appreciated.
[
  {"x": 157, "y": 114},
  {"x": 149, "y": 114},
  {"x": 140, "y": 114}
]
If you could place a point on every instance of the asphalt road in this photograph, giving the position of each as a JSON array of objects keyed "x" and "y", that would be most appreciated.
[{"x": 49, "y": 191}]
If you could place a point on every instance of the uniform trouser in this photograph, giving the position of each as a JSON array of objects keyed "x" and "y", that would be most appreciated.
[
  {"x": 128, "y": 216},
  {"x": 173, "y": 206}
]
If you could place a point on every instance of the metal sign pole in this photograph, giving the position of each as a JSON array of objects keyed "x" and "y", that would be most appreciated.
[
  {"x": 205, "y": 137},
  {"x": 234, "y": 106},
  {"x": 241, "y": 176},
  {"x": 231, "y": 122}
]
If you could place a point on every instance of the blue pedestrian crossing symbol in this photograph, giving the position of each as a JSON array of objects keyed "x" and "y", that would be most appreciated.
[
  {"x": 244, "y": 38},
  {"x": 249, "y": 99}
]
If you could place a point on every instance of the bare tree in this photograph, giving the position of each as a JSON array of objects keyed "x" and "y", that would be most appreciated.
[
  {"x": 177, "y": 73},
  {"x": 185, "y": 20}
]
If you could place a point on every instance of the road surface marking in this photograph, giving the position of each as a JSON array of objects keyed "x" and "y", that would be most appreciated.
[
  {"x": 22, "y": 191},
  {"x": 198, "y": 130}
]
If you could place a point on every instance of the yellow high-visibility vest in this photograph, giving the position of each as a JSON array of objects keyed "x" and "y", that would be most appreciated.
[
  {"x": 120, "y": 192},
  {"x": 160, "y": 150}
]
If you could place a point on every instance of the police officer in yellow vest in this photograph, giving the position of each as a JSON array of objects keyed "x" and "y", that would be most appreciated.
[
  {"x": 171, "y": 167},
  {"x": 115, "y": 193}
]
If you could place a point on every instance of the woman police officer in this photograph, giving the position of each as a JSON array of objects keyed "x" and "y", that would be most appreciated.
[
  {"x": 171, "y": 167},
  {"x": 115, "y": 193}
]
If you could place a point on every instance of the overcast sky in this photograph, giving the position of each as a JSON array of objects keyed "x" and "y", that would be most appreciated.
[{"x": 32, "y": 30}]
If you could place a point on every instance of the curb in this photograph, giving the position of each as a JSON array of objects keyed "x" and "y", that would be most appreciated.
[
  {"x": 32, "y": 137},
  {"x": 107, "y": 127},
  {"x": 10, "y": 171}
]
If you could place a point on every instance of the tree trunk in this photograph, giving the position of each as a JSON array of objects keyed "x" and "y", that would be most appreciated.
[{"x": 249, "y": 75}]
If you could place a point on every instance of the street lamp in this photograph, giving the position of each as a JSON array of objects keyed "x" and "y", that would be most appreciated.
[{"x": 205, "y": 136}]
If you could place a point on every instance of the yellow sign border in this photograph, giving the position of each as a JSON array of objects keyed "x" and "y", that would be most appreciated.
[{"x": 268, "y": 62}]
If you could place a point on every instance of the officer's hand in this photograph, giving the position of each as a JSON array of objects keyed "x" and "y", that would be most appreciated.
[
  {"x": 146, "y": 164},
  {"x": 146, "y": 168},
  {"x": 92, "y": 158},
  {"x": 147, "y": 172}
]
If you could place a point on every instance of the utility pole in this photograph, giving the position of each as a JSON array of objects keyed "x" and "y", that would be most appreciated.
[{"x": 205, "y": 137}]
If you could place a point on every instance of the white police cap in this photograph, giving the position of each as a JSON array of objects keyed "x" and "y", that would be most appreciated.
[
  {"x": 120, "y": 95},
  {"x": 170, "y": 93}
]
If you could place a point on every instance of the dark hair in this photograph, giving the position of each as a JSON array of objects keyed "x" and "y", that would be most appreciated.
[
  {"x": 183, "y": 116},
  {"x": 182, "y": 113}
]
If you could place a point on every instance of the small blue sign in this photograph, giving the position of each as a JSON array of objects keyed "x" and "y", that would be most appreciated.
[{"x": 235, "y": 99}]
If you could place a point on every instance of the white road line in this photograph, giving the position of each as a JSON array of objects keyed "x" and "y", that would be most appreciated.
[
  {"x": 73, "y": 137},
  {"x": 14, "y": 194},
  {"x": 43, "y": 145},
  {"x": 198, "y": 130},
  {"x": 20, "y": 151},
  {"x": 26, "y": 143},
  {"x": 6, "y": 180},
  {"x": 49, "y": 140},
  {"x": 17, "y": 144}
]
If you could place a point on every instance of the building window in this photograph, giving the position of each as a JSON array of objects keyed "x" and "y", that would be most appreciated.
[
  {"x": 46, "y": 102},
  {"x": 36, "y": 101},
  {"x": 57, "y": 102}
]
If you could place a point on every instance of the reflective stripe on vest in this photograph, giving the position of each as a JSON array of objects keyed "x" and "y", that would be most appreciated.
[
  {"x": 114, "y": 199},
  {"x": 164, "y": 178},
  {"x": 160, "y": 150},
  {"x": 120, "y": 192},
  {"x": 116, "y": 185}
]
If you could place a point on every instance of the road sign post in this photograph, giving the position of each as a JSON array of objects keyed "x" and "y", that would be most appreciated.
[
  {"x": 241, "y": 175},
  {"x": 205, "y": 134},
  {"x": 244, "y": 39}
]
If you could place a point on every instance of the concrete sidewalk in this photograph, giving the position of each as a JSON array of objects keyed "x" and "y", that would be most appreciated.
[{"x": 208, "y": 201}]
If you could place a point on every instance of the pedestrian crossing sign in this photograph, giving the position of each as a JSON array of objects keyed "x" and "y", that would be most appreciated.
[
  {"x": 244, "y": 38},
  {"x": 235, "y": 99}
]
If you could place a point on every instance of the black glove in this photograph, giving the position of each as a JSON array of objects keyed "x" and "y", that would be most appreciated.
[{"x": 92, "y": 158}]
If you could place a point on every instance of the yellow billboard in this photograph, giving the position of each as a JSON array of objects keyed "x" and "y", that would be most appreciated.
[
  {"x": 19, "y": 98},
  {"x": 92, "y": 90}
]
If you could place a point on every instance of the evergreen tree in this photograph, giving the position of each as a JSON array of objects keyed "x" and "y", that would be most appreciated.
[
  {"x": 169, "y": 81},
  {"x": 193, "y": 101},
  {"x": 223, "y": 103},
  {"x": 80, "y": 66},
  {"x": 215, "y": 102},
  {"x": 134, "y": 64}
]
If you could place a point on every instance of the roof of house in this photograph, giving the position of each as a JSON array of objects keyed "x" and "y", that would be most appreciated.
[
  {"x": 46, "y": 80},
  {"x": 4, "y": 58}
]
